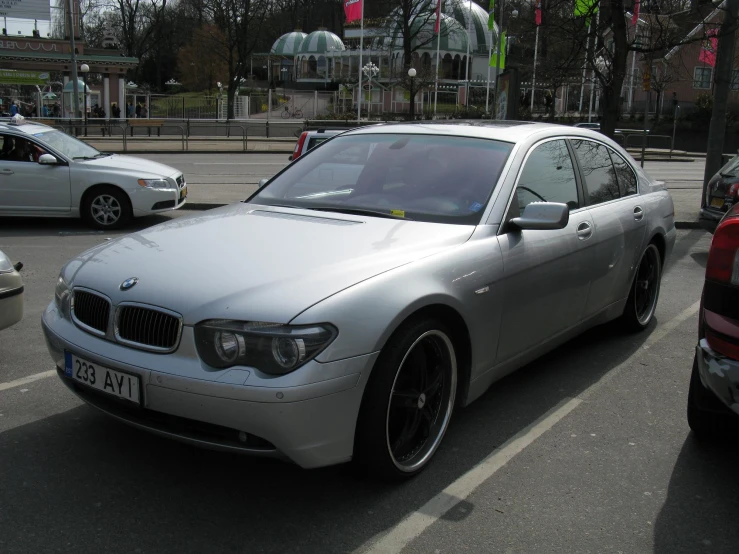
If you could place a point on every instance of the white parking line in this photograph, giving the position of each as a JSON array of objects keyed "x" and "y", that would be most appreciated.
[
  {"x": 26, "y": 380},
  {"x": 416, "y": 523}
]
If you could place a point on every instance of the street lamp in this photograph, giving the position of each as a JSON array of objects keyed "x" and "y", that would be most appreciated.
[
  {"x": 84, "y": 68},
  {"x": 370, "y": 70},
  {"x": 412, "y": 75}
]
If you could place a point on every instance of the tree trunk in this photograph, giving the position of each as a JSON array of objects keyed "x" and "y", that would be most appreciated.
[
  {"x": 611, "y": 96},
  {"x": 722, "y": 82}
]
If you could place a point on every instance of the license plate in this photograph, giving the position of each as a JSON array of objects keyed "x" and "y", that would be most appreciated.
[
  {"x": 183, "y": 193},
  {"x": 115, "y": 383},
  {"x": 717, "y": 202}
]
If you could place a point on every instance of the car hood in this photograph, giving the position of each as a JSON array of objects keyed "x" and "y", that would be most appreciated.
[
  {"x": 257, "y": 263},
  {"x": 130, "y": 163}
]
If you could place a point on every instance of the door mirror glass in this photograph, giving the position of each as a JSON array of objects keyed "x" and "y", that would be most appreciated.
[
  {"x": 262, "y": 182},
  {"x": 542, "y": 216},
  {"x": 47, "y": 159}
]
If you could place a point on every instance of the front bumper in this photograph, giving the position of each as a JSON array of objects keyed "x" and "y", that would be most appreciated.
[
  {"x": 719, "y": 374},
  {"x": 146, "y": 201},
  {"x": 11, "y": 306},
  {"x": 312, "y": 425}
]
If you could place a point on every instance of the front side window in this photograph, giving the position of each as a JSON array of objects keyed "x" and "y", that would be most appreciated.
[
  {"x": 624, "y": 173},
  {"x": 601, "y": 183},
  {"x": 19, "y": 149},
  {"x": 548, "y": 176},
  {"x": 442, "y": 179},
  {"x": 702, "y": 77}
]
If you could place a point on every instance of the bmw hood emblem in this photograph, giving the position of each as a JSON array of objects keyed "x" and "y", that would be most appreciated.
[{"x": 129, "y": 283}]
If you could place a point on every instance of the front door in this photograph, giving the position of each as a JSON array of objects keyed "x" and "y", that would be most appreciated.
[
  {"x": 26, "y": 185},
  {"x": 546, "y": 273}
]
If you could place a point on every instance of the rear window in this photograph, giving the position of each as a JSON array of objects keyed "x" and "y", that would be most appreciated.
[{"x": 442, "y": 179}]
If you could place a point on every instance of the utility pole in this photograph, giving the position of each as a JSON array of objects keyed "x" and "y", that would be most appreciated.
[
  {"x": 722, "y": 81},
  {"x": 75, "y": 81}
]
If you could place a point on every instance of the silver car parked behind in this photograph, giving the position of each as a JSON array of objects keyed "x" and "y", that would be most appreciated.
[{"x": 367, "y": 291}]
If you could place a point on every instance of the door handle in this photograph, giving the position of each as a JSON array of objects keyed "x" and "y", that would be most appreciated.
[
  {"x": 584, "y": 231},
  {"x": 638, "y": 213},
  {"x": 6, "y": 171}
]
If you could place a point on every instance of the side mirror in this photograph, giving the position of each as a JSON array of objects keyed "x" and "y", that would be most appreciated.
[
  {"x": 47, "y": 159},
  {"x": 543, "y": 216},
  {"x": 262, "y": 182}
]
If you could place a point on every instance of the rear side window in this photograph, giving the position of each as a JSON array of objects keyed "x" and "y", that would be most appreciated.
[
  {"x": 548, "y": 176},
  {"x": 315, "y": 141},
  {"x": 601, "y": 183},
  {"x": 624, "y": 173}
]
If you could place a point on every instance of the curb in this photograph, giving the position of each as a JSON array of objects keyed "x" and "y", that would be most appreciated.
[{"x": 195, "y": 206}]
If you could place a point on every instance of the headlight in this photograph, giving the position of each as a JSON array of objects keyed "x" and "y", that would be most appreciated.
[
  {"x": 156, "y": 184},
  {"x": 5, "y": 265},
  {"x": 269, "y": 347},
  {"x": 63, "y": 296}
]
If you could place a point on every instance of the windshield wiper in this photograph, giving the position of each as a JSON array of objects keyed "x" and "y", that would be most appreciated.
[
  {"x": 83, "y": 158},
  {"x": 103, "y": 154},
  {"x": 359, "y": 211}
]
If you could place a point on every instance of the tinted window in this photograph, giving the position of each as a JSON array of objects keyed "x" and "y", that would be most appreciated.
[
  {"x": 442, "y": 179},
  {"x": 624, "y": 173},
  {"x": 315, "y": 141},
  {"x": 548, "y": 176},
  {"x": 601, "y": 184}
]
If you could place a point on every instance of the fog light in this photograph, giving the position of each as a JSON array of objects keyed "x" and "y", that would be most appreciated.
[
  {"x": 229, "y": 346},
  {"x": 288, "y": 352}
]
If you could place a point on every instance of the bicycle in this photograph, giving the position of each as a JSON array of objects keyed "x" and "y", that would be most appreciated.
[{"x": 287, "y": 114}]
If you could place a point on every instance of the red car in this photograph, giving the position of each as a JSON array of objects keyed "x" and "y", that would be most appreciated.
[{"x": 713, "y": 400}]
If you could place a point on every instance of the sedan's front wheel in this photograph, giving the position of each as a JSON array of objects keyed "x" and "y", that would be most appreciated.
[
  {"x": 106, "y": 208},
  {"x": 408, "y": 402}
]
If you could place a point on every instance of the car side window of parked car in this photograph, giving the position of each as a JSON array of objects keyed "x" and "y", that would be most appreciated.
[
  {"x": 548, "y": 175},
  {"x": 601, "y": 183},
  {"x": 624, "y": 173}
]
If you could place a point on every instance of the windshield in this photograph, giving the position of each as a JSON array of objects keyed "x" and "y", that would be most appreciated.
[
  {"x": 67, "y": 145},
  {"x": 442, "y": 179}
]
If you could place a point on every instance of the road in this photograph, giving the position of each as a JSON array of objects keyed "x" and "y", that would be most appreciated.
[
  {"x": 226, "y": 178},
  {"x": 586, "y": 450}
]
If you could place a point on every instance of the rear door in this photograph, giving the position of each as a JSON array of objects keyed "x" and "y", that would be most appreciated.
[
  {"x": 546, "y": 273},
  {"x": 27, "y": 186},
  {"x": 619, "y": 217}
]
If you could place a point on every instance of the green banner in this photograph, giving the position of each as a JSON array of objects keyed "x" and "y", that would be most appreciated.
[{"x": 10, "y": 77}]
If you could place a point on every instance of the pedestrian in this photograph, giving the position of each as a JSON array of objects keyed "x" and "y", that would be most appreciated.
[
  {"x": 45, "y": 110},
  {"x": 144, "y": 110},
  {"x": 56, "y": 110},
  {"x": 138, "y": 109},
  {"x": 13, "y": 109},
  {"x": 115, "y": 111}
]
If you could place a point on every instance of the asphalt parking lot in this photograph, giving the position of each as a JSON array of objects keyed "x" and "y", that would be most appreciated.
[{"x": 586, "y": 450}]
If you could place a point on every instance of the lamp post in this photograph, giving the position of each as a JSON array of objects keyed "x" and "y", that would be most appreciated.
[
  {"x": 84, "y": 68},
  {"x": 674, "y": 121},
  {"x": 370, "y": 70},
  {"x": 412, "y": 75}
]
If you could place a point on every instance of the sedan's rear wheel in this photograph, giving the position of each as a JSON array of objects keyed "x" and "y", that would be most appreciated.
[
  {"x": 642, "y": 302},
  {"x": 408, "y": 402},
  {"x": 106, "y": 208}
]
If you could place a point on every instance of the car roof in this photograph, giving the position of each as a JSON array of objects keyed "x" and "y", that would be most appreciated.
[
  {"x": 25, "y": 128},
  {"x": 507, "y": 131}
]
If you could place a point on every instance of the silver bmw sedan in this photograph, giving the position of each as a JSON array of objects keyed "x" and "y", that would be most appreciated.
[{"x": 366, "y": 292}]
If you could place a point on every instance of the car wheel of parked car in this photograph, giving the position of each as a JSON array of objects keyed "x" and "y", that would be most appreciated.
[
  {"x": 707, "y": 416},
  {"x": 106, "y": 208},
  {"x": 408, "y": 402},
  {"x": 642, "y": 302}
]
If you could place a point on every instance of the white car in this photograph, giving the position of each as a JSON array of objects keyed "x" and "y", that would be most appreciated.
[
  {"x": 46, "y": 172},
  {"x": 11, "y": 292}
]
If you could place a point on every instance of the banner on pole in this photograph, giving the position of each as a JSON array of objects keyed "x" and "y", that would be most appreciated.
[
  {"x": 498, "y": 58},
  {"x": 491, "y": 17},
  {"x": 537, "y": 16},
  {"x": 635, "y": 17},
  {"x": 352, "y": 10},
  {"x": 437, "y": 25},
  {"x": 708, "y": 48}
]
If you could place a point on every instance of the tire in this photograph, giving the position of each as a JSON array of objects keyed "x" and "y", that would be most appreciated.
[
  {"x": 106, "y": 207},
  {"x": 644, "y": 293},
  {"x": 708, "y": 418},
  {"x": 406, "y": 410}
]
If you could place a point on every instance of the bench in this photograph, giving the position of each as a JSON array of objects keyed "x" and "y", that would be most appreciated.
[{"x": 149, "y": 123}]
